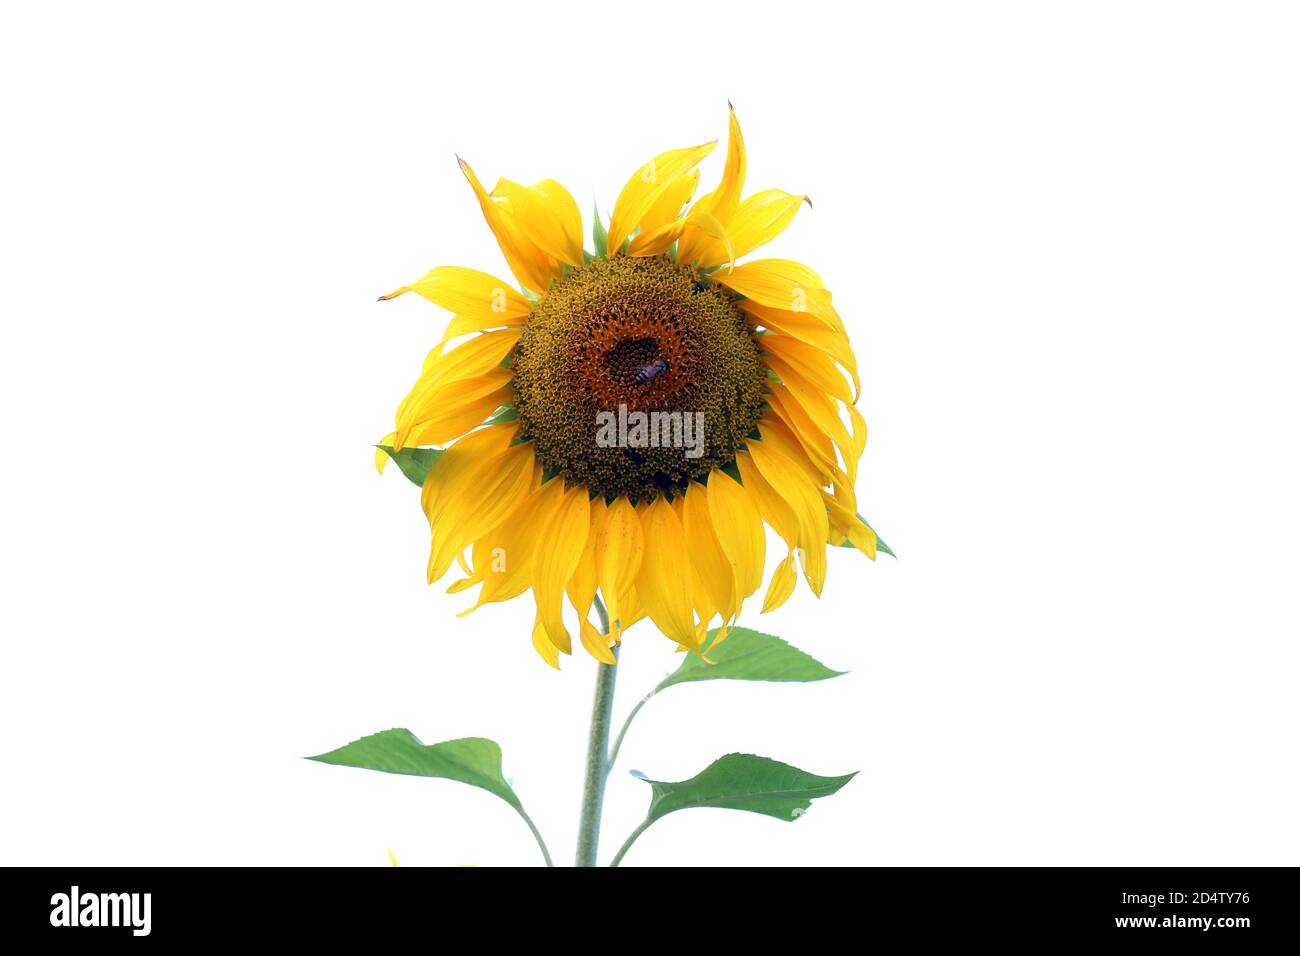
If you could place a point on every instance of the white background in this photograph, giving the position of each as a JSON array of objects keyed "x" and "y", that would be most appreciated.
[{"x": 1064, "y": 239}]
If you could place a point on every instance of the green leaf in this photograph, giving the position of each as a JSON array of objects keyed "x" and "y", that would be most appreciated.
[
  {"x": 599, "y": 236},
  {"x": 744, "y": 782},
  {"x": 472, "y": 760},
  {"x": 414, "y": 462},
  {"x": 749, "y": 655},
  {"x": 880, "y": 542}
]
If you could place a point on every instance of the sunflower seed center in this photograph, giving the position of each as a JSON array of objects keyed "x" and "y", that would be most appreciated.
[{"x": 637, "y": 335}]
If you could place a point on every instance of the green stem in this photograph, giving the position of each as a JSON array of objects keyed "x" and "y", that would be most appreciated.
[
  {"x": 593, "y": 789},
  {"x": 546, "y": 854},
  {"x": 618, "y": 857}
]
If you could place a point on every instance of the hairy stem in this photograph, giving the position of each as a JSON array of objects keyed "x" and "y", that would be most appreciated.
[{"x": 593, "y": 788}]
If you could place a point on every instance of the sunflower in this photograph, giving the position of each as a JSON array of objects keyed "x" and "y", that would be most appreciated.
[{"x": 630, "y": 419}]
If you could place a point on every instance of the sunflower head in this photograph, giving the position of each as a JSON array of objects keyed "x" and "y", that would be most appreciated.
[
  {"x": 645, "y": 334},
  {"x": 631, "y": 420}
]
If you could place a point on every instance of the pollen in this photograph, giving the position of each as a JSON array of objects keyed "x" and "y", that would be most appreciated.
[{"x": 631, "y": 335}]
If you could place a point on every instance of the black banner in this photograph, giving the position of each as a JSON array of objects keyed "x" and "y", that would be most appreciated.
[{"x": 433, "y": 907}]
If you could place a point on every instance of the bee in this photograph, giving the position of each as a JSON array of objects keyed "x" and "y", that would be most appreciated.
[
  {"x": 699, "y": 288},
  {"x": 650, "y": 370}
]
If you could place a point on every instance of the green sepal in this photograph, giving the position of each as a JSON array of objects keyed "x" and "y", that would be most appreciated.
[
  {"x": 414, "y": 462},
  {"x": 880, "y": 542},
  {"x": 599, "y": 236}
]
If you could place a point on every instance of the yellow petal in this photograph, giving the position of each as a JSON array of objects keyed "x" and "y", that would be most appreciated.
[
  {"x": 781, "y": 438},
  {"x": 381, "y": 456},
  {"x": 620, "y": 544},
  {"x": 565, "y": 208},
  {"x": 863, "y": 538},
  {"x": 653, "y": 243},
  {"x": 562, "y": 541},
  {"x": 758, "y": 220},
  {"x": 780, "y": 284},
  {"x": 467, "y": 499},
  {"x": 470, "y": 293},
  {"x": 703, "y": 603},
  {"x": 458, "y": 465},
  {"x": 722, "y": 202},
  {"x": 449, "y": 401},
  {"x": 811, "y": 363},
  {"x": 647, "y": 186},
  {"x": 808, "y": 446},
  {"x": 468, "y": 324},
  {"x": 723, "y": 631},
  {"x": 504, "y": 558},
  {"x": 582, "y": 585},
  {"x": 664, "y": 584},
  {"x": 669, "y": 206},
  {"x": 457, "y": 422},
  {"x": 817, "y": 408},
  {"x": 471, "y": 357},
  {"x": 850, "y": 526},
  {"x": 704, "y": 551},
  {"x": 804, "y": 329},
  {"x": 547, "y": 215},
  {"x": 739, "y": 527},
  {"x": 859, "y": 426},
  {"x": 845, "y": 497},
  {"x": 788, "y": 481},
  {"x": 543, "y": 644},
  {"x": 815, "y": 419},
  {"x": 776, "y": 511},
  {"x": 781, "y": 586},
  {"x": 474, "y": 357},
  {"x": 709, "y": 225},
  {"x": 761, "y": 218},
  {"x": 658, "y": 241},
  {"x": 533, "y": 267},
  {"x": 630, "y": 611},
  {"x": 597, "y": 644}
]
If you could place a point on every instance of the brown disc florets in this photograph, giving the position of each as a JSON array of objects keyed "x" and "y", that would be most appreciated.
[{"x": 635, "y": 375}]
